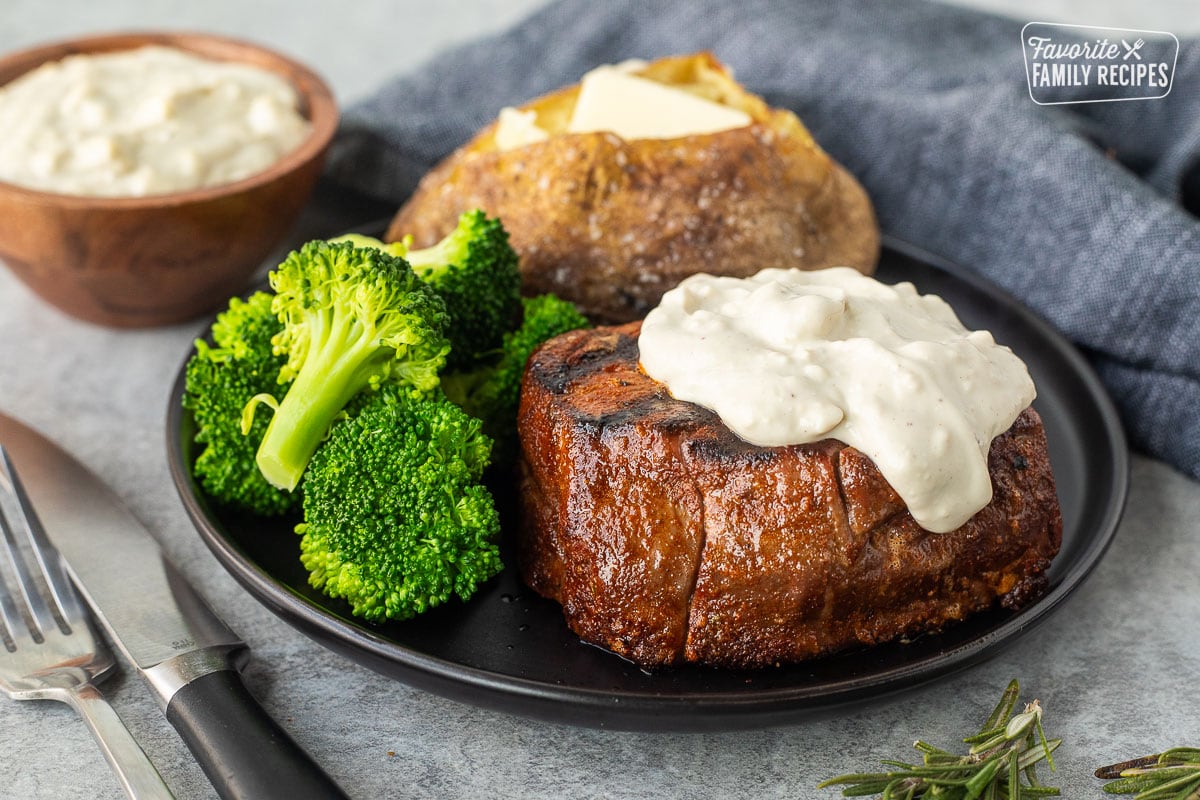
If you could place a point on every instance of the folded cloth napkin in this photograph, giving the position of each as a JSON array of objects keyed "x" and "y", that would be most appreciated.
[{"x": 1081, "y": 211}]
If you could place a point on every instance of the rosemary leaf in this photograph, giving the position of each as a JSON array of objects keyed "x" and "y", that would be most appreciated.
[
  {"x": 1031, "y": 757},
  {"x": 867, "y": 789},
  {"x": 856, "y": 777},
  {"x": 1014, "y": 779},
  {"x": 1004, "y": 708},
  {"x": 1115, "y": 770},
  {"x": 1045, "y": 743}
]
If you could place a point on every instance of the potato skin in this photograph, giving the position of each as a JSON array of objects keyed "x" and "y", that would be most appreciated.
[{"x": 612, "y": 224}]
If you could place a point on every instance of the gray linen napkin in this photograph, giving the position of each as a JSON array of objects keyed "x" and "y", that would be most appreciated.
[{"x": 1078, "y": 210}]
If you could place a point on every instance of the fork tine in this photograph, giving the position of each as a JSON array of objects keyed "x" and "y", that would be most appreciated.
[
  {"x": 11, "y": 623},
  {"x": 42, "y": 615},
  {"x": 14, "y": 626},
  {"x": 52, "y": 565}
]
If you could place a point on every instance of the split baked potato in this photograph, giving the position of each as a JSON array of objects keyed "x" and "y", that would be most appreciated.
[{"x": 611, "y": 224}]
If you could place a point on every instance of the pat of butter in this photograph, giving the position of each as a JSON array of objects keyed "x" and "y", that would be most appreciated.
[
  {"x": 610, "y": 99},
  {"x": 518, "y": 128}
]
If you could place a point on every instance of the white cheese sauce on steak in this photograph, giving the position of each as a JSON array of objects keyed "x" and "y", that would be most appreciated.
[{"x": 790, "y": 357}]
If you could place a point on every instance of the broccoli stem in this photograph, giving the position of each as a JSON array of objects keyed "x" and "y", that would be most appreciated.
[{"x": 333, "y": 373}]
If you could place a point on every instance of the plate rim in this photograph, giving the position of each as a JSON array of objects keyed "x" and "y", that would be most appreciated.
[{"x": 650, "y": 710}]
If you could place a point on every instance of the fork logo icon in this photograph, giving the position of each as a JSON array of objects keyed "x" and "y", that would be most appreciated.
[{"x": 1132, "y": 49}]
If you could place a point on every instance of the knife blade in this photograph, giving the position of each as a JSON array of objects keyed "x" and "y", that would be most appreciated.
[{"x": 186, "y": 654}]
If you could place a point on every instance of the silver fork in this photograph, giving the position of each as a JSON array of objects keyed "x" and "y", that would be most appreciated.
[{"x": 48, "y": 650}]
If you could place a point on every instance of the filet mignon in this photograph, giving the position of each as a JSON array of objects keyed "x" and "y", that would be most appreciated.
[{"x": 668, "y": 539}]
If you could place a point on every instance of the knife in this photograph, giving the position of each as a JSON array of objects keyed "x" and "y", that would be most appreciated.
[{"x": 190, "y": 659}]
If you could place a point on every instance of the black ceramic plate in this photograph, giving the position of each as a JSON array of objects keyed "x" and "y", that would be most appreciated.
[{"x": 510, "y": 649}]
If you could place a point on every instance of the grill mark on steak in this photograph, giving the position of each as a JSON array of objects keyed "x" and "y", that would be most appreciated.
[
  {"x": 828, "y": 609},
  {"x": 698, "y": 559},
  {"x": 666, "y": 537}
]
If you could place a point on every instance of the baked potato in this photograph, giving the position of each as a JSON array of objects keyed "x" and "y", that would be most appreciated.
[{"x": 612, "y": 223}]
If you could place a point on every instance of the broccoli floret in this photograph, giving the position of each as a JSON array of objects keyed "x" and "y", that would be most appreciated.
[
  {"x": 398, "y": 249},
  {"x": 395, "y": 519},
  {"x": 492, "y": 391},
  {"x": 354, "y": 318},
  {"x": 474, "y": 270},
  {"x": 220, "y": 379}
]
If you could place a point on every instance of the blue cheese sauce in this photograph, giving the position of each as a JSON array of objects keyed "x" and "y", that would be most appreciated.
[
  {"x": 790, "y": 357},
  {"x": 146, "y": 121}
]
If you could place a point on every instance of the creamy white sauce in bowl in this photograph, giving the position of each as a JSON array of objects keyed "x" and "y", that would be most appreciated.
[
  {"x": 790, "y": 357},
  {"x": 146, "y": 121}
]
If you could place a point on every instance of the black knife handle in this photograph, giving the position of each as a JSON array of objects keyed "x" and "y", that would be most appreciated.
[{"x": 244, "y": 752}]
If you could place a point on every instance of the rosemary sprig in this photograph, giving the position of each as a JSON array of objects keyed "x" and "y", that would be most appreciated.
[
  {"x": 999, "y": 765},
  {"x": 1172, "y": 775}
]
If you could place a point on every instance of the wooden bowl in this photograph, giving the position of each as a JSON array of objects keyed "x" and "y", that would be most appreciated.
[{"x": 158, "y": 259}]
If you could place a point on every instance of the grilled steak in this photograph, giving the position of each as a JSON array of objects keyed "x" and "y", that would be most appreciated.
[{"x": 666, "y": 538}]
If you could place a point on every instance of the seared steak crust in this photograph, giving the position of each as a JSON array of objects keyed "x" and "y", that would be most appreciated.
[{"x": 666, "y": 538}]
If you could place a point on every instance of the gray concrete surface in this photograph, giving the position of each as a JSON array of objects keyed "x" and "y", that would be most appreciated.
[{"x": 1115, "y": 667}]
